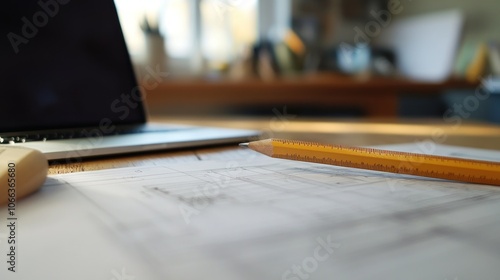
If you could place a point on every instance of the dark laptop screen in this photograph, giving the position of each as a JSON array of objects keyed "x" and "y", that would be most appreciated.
[{"x": 64, "y": 63}]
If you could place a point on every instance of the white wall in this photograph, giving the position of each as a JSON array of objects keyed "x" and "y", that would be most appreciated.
[{"x": 483, "y": 16}]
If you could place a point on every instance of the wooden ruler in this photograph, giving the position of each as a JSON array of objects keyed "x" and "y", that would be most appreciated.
[{"x": 449, "y": 168}]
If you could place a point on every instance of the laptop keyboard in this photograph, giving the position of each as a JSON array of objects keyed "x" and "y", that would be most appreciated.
[{"x": 71, "y": 134}]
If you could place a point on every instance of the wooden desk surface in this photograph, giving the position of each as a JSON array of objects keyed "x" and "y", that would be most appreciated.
[{"x": 354, "y": 133}]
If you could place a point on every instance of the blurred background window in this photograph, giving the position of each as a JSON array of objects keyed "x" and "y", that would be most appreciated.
[
  {"x": 227, "y": 27},
  {"x": 215, "y": 31},
  {"x": 325, "y": 41}
]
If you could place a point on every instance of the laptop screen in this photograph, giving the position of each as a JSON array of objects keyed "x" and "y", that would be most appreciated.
[{"x": 64, "y": 64}]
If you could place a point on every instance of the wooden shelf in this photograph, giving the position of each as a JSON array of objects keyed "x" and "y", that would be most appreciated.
[{"x": 377, "y": 97}]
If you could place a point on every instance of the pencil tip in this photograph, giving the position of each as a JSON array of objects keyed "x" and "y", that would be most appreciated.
[{"x": 244, "y": 145}]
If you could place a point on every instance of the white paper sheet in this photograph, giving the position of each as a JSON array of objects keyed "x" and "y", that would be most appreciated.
[{"x": 245, "y": 216}]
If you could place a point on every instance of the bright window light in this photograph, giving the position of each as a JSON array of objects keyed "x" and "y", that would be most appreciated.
[{"x": 226, "y": 24}]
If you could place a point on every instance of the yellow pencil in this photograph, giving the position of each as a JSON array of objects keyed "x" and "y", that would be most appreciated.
[{"x": 456, "y": 169}]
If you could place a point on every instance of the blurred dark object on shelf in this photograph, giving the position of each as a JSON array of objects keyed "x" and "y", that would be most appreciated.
[
  {"x": 282, "y": 58},
  {"x": 358, "y": 59},
  {"x": 354, "y": 60},
  {"x": 383, "y": 62}
]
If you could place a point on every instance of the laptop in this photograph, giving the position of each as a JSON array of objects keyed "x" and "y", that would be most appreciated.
[{"x": 69, "y": 90}]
